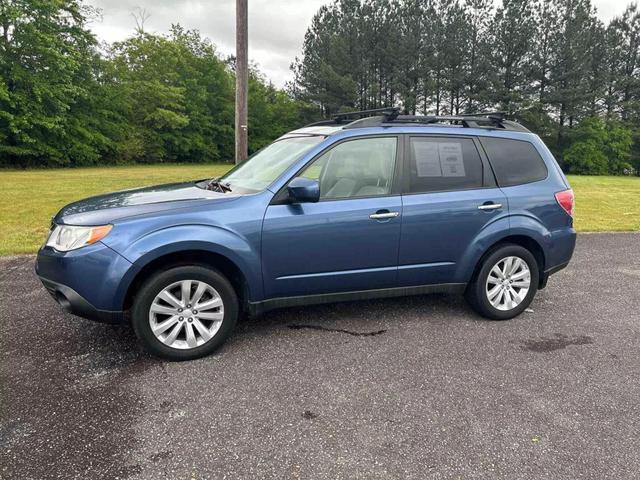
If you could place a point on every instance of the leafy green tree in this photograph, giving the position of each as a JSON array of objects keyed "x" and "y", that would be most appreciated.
[
  {"x": 599, "y": 148},
  {"x": 547, "y": 20},
  {"x": 512, "y": 30},
  {"x": 478, "y": 13},
  {"x": 568, "y": 92},
  {"x": 178, "y": 96},
  {"x": 272, "y": 112},
  {"x": 326, "y": 76},
  {"x": 160, "y": 98},
  {"x": 151, "y": 98},
  {"x": 634, "y": 160},
  {"x": 455, "y": 51},
  {"x": 586, "y": 157},
  {"x": 629, "y": 27},
  {"x": 406, "y": 57},
  {"x": 46, "y": 84}
]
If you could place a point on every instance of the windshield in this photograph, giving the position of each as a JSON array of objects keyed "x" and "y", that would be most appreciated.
[{"x": 265, "y": 166}]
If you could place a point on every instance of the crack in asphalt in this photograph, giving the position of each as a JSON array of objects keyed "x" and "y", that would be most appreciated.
[
  {"x": 560, "y": 341},
  {"x": 337, "y": 330},
  {"x": 309, "y": 415}
]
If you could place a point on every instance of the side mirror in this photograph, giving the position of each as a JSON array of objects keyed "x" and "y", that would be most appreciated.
[{"x": 303, "y": 190}]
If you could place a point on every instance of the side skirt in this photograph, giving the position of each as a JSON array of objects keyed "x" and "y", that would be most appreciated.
[{"x": 257, "y": 308}]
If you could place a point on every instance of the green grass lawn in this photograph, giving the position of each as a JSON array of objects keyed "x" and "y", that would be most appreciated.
[
  {"x": 28, "y": 199},
  {"x": 606, "y": 204}
]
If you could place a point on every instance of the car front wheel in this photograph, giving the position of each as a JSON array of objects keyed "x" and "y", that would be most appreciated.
[
  {"x": 185, "y": 312},
  {"x": 505, "y": 284}
]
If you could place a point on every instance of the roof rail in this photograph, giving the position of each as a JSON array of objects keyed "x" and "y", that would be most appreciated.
[
  {"x": 321, "y": 123},
  {"x": 497, "y": 114},
  {"x": 384, "y": 114},
  {"x": 475, "y": 120},
  {"x": 391, "y": 115},
  {"x": 388, "y": 113}
]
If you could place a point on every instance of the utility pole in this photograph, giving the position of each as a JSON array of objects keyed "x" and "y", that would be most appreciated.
[{"x": 242, "y": 80}]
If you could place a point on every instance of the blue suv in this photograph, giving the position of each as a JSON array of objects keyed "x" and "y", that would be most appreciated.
[{"x": 372, "y": 204}]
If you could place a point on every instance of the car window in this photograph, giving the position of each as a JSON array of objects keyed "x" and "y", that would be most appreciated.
[
  {"x": 514, "y": 161},
  {"x": 268, "y": 164},
  {"x": 443, "y": 163},
  {"x": 355, "y": 168}
]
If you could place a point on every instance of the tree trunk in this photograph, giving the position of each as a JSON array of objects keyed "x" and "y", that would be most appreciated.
[{"x": 561, "y": 124}]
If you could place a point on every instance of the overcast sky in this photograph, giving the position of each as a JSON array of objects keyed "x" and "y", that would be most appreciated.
[{"x": 276, "y": 27}]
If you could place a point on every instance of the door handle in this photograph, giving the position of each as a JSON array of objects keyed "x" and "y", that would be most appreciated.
[
  {"x": 383, "y": 215},
  {"x": 490, "y": 206}
]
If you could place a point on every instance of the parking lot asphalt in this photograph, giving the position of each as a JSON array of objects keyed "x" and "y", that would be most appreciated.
[{"x": 418, "y": 387}]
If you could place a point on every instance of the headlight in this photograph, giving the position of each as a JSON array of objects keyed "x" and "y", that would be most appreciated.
[{"x": 68, "y": 237}]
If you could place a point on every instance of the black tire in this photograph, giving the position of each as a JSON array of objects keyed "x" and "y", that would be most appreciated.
[
  {"x": 476, "y": 292},
  {"x": 155, "y": 284}
]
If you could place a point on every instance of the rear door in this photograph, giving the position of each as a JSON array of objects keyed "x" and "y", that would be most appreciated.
[{"x": 449, "y": 196}]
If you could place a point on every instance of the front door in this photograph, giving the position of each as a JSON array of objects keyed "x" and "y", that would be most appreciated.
[
  {"x": 450, "y": 196},
  {"x": 348, "y": 241}
]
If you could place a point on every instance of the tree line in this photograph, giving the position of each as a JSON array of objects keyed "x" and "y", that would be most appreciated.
[
  {"x": 66, "y": 100},
  {"x": 550, "y": 63}
]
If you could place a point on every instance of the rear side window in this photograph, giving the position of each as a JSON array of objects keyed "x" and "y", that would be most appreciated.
[
  {"x": 514, "y": 161},
  {"x": 440, "y": 164}
]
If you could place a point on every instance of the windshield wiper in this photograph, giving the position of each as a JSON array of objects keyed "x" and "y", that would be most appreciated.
[{"x": 215, "y": 184}]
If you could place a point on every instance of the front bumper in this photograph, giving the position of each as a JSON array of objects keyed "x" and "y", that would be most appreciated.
[
  {"x": 74, "y": 303},
  {"x": 87, "y": 282}
]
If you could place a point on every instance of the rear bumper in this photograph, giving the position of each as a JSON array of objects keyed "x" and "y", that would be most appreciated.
[
  {"x": 562, "y": 245},
  {"x": 72, "y": 302},
  {"x": 547, "y": 273},
  {"x": 555, "y": 269}
]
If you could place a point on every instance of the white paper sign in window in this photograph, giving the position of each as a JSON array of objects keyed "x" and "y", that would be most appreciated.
[
  {"x": 427, "y": 159},
  {"x": 451, "y": 161}
]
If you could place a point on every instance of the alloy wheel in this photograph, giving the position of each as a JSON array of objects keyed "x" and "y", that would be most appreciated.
[
  {"x": 186, "y": 314},
  {"x": 508, "y": 283}
]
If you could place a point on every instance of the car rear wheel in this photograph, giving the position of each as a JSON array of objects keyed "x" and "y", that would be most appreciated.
[
  {"x": 185, "y": 312},
  {"x": 505, "y": 284}
]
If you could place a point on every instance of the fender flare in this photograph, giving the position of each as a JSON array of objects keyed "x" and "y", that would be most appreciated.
[
  {"x": 182, "y": 238},
  {"x": 533, "y": 228},
  {"x": 521, "y": 225}
]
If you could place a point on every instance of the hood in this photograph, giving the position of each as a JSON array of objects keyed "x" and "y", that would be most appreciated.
[{"x": 112, "y": 206}]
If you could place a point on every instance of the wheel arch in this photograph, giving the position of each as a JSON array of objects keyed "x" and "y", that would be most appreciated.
[
  {"x": 524, "y": 241},
  {"x": 192, "y": 256}
]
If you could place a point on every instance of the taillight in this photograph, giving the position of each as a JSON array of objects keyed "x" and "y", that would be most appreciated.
[{"x": 566, "y": 201}]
